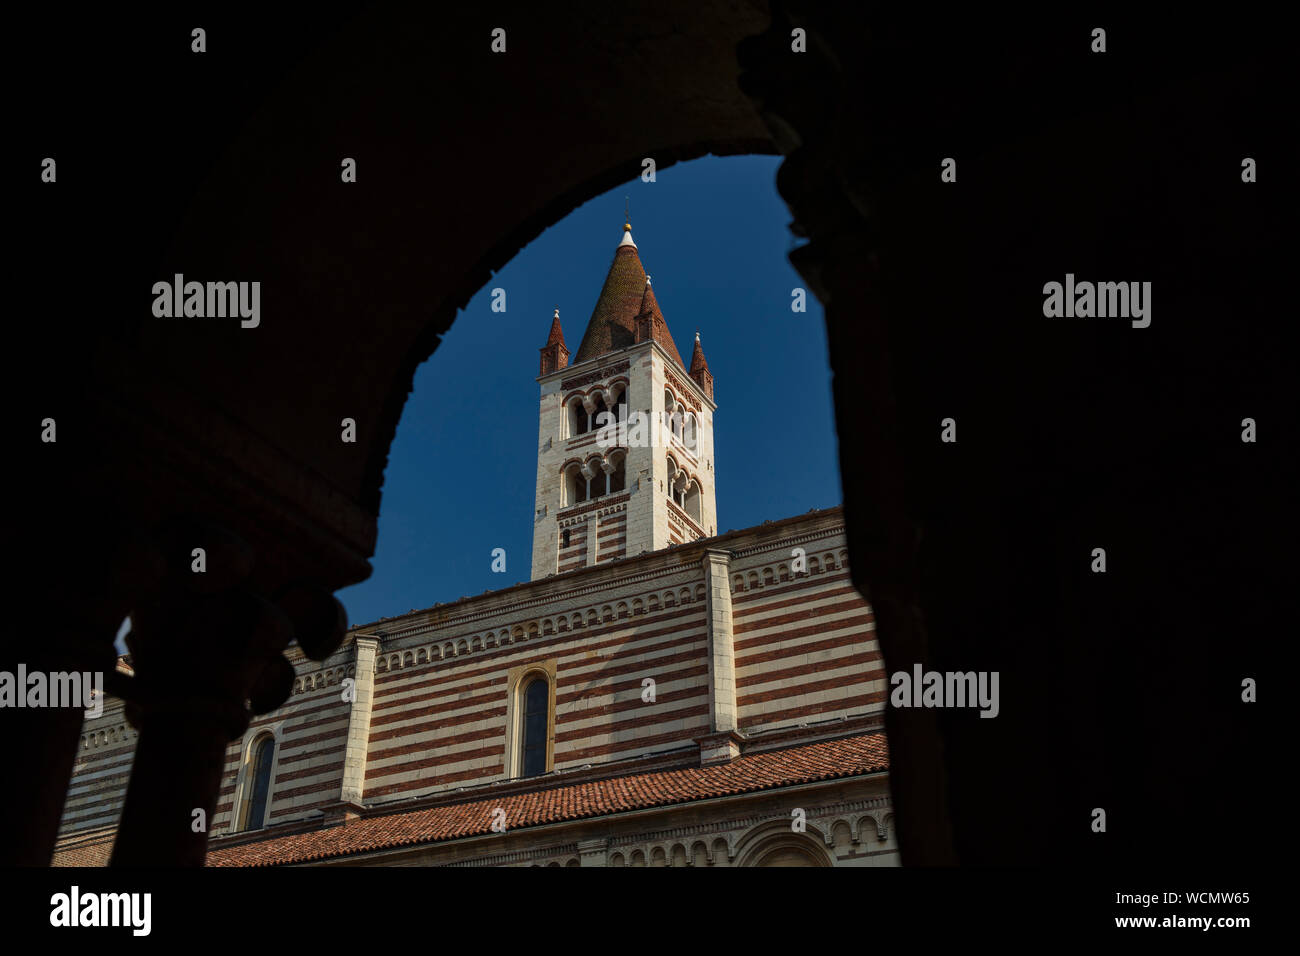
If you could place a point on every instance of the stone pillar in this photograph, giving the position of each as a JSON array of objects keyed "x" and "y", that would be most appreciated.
[
  {"x": 41, "y": 743},
  {"x": 115, "y": 564},
  {"x": 363, "y": 690},
  {"x": 593, "y": 546},
  {"x": 208, "y": 654},
  {"x": 723, "y": 713},
  {"x": 593, "y": 852}
]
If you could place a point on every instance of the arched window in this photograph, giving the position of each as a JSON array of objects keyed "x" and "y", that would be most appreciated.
[
  {"x": 692, "y": 502},
  {"x": 691, "y": 434},
  {"x": 577, "y": 486},
  {"x": 577, "y": 418},
  {"x": 598, "y": 484},
  {"x": 618, "y": 397},
  {"x": 536, "y": 718},
  {"x": 677, "y": 489},
  {"x": 565, "y": 537},
  {"x": 257, "y": 787},
  {"x": 618, "y": 477}
]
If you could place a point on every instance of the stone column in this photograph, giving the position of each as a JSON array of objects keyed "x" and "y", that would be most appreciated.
[
  {"x": 208, "y": 654},
  {"x": 91, "y": 596},
  {"x": 723, "y": 712},
  {"x": 41, "y": 743},
  {"x": 358, "y": 743}
]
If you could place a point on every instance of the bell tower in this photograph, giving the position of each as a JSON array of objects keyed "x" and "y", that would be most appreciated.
[{"x": 625, "y": 433}]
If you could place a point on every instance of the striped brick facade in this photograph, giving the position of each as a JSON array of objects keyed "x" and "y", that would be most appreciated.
[
  {"x": 310, "y": 731},
  {"x": 426, "y": 714},
  {"x": 100, "y": 772}
]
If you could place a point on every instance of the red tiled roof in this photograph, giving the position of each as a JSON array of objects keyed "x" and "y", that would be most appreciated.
[
  {"x": 624, "y": 296},
  {"x": 827, "y": 760}
]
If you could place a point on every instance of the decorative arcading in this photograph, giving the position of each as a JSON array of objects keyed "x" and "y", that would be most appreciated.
[
  {"x": 878, "y": 812},
  {"x": 482, "y": 610},
  {"x": 605, "y": 388},
  {"x": 680, "y": 392},
  {"x": 753, "y": 579},
  {"x": 647, "y": 605},
  {"x": 788, "y": 542},
  {"x": 108, "y": 736},
  {"x": 590, "y": 377},
  {"x": 579, "y": 513},
  {"x": 324, "y": 677}
]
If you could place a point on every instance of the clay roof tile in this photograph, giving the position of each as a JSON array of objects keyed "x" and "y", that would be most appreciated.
[{"x": 824, "y": 760}]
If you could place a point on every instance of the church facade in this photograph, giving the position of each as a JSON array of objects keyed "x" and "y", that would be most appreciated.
[{"x": 658, "y": 694}]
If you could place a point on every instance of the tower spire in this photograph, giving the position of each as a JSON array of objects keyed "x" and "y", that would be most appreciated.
[
  {"x": 625, "y": 302},
  {"x": 699, "y": 370},
  {"x": 555, "y": 354}
]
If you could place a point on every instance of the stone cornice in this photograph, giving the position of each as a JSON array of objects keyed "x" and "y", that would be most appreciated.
[
  {"x": 786, "y": 542},
  {"x": 595, "y": 376},
  {"x": 606, "y": 505}
]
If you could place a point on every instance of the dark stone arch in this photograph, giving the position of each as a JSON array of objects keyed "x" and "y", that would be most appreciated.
[{"x": 168, "y": 423}]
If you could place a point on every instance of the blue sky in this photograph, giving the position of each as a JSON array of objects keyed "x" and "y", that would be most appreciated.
[{"x": 713, "y": 236}]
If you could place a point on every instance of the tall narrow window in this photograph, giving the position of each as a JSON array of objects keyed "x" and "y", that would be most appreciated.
[
  {"x": 577, "y": 418},
  {"x": 536, "y": 705},
  {"x": 259, "y": 781},
  {"x": 692, "y": 501},
  {"x": 577, "y": 486}
]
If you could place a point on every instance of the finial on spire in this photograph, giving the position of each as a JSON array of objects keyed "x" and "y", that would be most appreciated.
[
  {"x": 697, "y": 332},
  {"x": 627, "y": 236},
  {"x": 557, "y": 311},
  {"x": 647, "y": 279}
]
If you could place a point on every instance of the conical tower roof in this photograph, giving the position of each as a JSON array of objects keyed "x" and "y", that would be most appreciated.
[
  {"x": 698, "y": 362},
  {"x": 625, "y": 296},
  {"x": 557, "y": 334}
]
